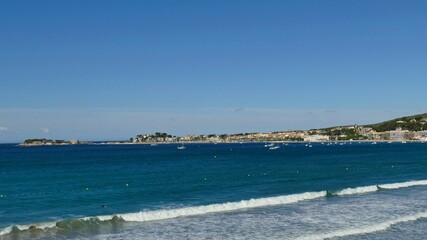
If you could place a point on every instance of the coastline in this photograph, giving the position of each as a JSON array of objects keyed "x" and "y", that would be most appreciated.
[{"x": 225, "y": 142}]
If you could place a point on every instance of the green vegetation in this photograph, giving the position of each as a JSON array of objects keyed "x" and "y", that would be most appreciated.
[
  {"x": 161, "y": 135},
  {"x": 34, "y": 140},
  {"x": 43, "y": 141},
  {"x": 410, "y": 123},
  {"x": 344, "y": 134},
  {"x": 296, "y": 139},
  {"x": 156, "y": 137}
]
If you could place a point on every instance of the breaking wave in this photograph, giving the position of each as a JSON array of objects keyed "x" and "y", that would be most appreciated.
[
  {"x": 154, "y": 215},
  {"x": 213, "y": 208},
  {"x": 403, "y": 185},
  {"x": 374, "y": 188},
  {"x": 365, "y": 229},
  {"x": 171, "y": 213},
  {"x": 357, "y": 190}
]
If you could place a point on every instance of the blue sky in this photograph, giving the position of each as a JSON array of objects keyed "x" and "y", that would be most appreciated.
[{"x": 113, "y": 69}]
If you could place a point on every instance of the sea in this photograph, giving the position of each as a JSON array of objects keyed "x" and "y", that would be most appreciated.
[{"x": 346, "y": 190}]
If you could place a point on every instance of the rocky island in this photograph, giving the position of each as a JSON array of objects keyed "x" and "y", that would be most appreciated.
[{"x": 47, "y": 142}]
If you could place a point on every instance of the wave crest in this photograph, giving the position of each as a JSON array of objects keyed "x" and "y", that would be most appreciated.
[
  {"x": 404, "y": 184},
  {"x": 224, "y": 207},
  {"x": 357, "y": 190},
  {"x": 154, "y": 215},
  {"x": 374, "y": 188},
  {"x": 365, "y": 229},
  {"x": 167, "y": 213}
]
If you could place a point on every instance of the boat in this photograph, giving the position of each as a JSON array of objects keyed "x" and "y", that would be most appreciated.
[
  {"x": 274, "y": 147},
  {"x": 269, "y": 145},
  {"x": 182, "y": 147}
]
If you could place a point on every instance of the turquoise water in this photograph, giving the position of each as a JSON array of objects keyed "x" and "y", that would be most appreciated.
[{"x": 208, "y": 191}]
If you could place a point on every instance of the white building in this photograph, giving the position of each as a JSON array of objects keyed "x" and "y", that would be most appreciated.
[{"x": 316, "y": 138}]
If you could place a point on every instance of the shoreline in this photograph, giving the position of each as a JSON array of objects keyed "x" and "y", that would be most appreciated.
[{"x": 233, "y": 142}]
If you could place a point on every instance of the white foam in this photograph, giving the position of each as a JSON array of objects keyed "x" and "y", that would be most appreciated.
[
  {"x": 365, "y": 229},
  {"x": 404, "y": 184},
  {"x": 225, "y": 207},
  {"x": 374, "y": 188},
  {"x": 189, "y": 211},
  {"x": 214, "y": 208},
  {"x": 5, "y": 231},
  {"x": 357, "y": 190},
  {"x": 43, "y": 226}
]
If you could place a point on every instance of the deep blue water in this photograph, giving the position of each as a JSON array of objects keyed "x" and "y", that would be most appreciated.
[{"x": 61, "y": 184}]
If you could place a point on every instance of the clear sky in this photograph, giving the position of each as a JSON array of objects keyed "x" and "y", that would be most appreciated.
[{"x": 113, "y": 69}]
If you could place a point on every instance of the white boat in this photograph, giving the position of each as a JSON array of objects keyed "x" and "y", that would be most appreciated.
[
  {"x": 373, "y": 143},
  {"x": 274, "y": 147},
  {"x": 182, "y": 147},
  {"x": 269, "y": 145}
]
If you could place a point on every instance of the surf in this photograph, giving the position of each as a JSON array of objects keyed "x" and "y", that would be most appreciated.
[
  {"x": 161, "y": 214},
  {"x": 365, "y": 229},
  {"x": 155, "y": 215},
  {"x": 374, "y": 188}
]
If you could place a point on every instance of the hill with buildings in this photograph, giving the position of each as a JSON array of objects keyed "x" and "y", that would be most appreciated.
[
  {"x": 410, "y": 123},
  {"x": 409, "y": 128}
]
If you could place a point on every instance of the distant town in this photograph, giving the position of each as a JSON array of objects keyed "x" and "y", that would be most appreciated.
[{"x": 411, "y": 128}]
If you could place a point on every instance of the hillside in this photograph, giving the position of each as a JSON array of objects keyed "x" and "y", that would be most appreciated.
[{"x": 411, "y": 123}]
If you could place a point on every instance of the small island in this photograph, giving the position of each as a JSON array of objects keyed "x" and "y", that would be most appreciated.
[{"x": 47, "y": 142}]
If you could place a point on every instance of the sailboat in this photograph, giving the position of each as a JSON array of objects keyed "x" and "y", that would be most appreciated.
[{"x": 181, "y": 147}]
